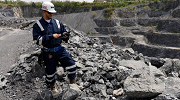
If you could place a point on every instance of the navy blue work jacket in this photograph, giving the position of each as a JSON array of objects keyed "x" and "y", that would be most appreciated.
[{"x": 51, "y": 28}]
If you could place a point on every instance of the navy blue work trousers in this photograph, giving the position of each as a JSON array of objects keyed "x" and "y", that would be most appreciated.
[{"x": 51, "y": 61}]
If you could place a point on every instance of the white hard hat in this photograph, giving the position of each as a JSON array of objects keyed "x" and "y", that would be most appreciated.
[{"x": 48, "y": 6}]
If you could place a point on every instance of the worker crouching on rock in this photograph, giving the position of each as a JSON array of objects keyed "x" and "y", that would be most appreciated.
[{"x": 51, "y": 31}]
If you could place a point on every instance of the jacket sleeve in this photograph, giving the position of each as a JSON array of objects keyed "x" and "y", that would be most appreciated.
[
  {"x": 63, "y": 29},
  {"x": 37, "y": 34}
]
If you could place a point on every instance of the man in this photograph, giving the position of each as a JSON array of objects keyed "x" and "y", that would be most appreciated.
[{"x": 51, "y": 31}]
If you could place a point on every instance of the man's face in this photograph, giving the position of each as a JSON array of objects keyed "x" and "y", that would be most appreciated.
[{"x": 48, "y": 15}]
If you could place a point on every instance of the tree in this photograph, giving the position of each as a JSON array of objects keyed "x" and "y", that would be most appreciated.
[
  {"x": 33, "y": 4},
  {"x": 6, "y": 1},
  {"x": 95, "y": 1}
]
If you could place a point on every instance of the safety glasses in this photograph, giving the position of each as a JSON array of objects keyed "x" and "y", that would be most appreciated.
[{"x": 49, "y": 12}]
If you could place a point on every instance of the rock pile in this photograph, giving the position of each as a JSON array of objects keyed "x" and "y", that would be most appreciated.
[
  {"x": 11, "y": 22},
  {"x": 105, "y": 71}
]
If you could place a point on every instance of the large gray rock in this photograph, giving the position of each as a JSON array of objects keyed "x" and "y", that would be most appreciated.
[
  {"x": 155, "y": 61},
  {"x": 97, "y": 88},
  {"x": 76, "y": 40},
  {"x": 37, "y": 70},
  {"x": 144, "y": 82},
  {"x": 44, "y": 95},
  {"x": 60, "y": 72},
  {"x": 167, "y": 67},
  {"x": 133, "y": 64},
  {"x": 123, "y": 73},
  {"x": 171, "y": 91},
  {"x": 176, "y": 67},
  {"x": 171, "y": 67},
  {"x": 3, "y": 82},
  {"x": 70, "y": 94}
]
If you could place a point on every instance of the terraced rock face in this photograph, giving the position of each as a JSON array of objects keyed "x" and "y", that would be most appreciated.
[{"x": 153, "y": 33}]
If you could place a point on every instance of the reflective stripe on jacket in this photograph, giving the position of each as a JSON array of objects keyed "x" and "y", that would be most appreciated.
[{"x": 48, "y": 40}]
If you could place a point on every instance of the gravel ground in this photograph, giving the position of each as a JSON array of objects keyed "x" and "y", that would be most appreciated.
[{"x": 13, "y": 42}]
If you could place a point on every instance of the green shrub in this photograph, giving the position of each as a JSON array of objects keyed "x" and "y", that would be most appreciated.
[
  {"x": 156, "y": 26},
  {"x": 146, "y": 8},
  {"x": 94, "y": 14},
  {"x": 164, "y": 0},
  {"x": 108, "y": 12},
  {"x": 138, "y": 15},
  {"x": 10, "y": 5},
  {"x": 88, "y": 32},
  {"x": 94, "y": 32},
  {"x": 143, "y": 1},
  {"x": 153, "y": 9},
  {"x": 177, "y": 31},
  {"x": 156, "y": 1},
  {"x": 131, "y": 9},
  {"x": 22, "y": 3}
]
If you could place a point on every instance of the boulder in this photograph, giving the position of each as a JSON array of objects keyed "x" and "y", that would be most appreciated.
[
  {"x": 3, "y": 82},
  {"x": 44, "y": 95},
  {"x": 70, "y": 94},
  {"x": 144, "y": 82},
  {"x": 172, "y": 88}
]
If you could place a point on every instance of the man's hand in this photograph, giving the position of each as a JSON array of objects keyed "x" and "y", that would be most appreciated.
[
  {"x": 56, "y": 35},
  {"x": 59, "y": 35},
  {"x": 64, "y": 36}
]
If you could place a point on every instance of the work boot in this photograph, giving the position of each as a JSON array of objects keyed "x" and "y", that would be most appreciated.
[
  {"x": 73, "y": 81},
  {"x": 54, "y": 91},
  {"x": 76, "y": 87}
]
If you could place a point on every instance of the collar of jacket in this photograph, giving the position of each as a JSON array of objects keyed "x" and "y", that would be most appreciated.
[{"x": 43, "y": 21}]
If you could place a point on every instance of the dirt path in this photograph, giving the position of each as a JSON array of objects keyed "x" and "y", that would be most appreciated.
[{"x": 12, "y": 43}]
